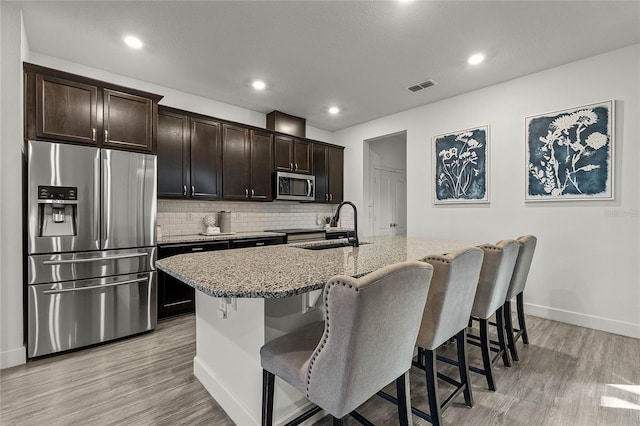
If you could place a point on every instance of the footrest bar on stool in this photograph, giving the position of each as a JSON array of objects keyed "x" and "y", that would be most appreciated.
[
  {"x": 447, "y": 360},
  {"x": 414, "y": 410},
  {"x": 360, "y": 419},
  {"x": 449, "y": 380},
  {"x": 304, "y": 416}
]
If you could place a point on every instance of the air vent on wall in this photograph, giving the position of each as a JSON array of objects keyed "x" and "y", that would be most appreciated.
[{"x": 423, "y": 85}]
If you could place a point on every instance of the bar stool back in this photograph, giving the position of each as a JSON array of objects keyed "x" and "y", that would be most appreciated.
[
  {"x": 516, "y": 289},
  {"x": 495, "y": 277},
  {"x": 446, "y": 313},
  {"x": 366, "y": 342}
]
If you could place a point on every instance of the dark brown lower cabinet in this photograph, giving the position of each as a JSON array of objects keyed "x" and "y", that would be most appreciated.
[{"x": 176, "y": 297}]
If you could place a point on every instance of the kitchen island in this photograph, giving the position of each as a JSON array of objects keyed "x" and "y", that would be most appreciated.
[{"x": 247, "y": 297}]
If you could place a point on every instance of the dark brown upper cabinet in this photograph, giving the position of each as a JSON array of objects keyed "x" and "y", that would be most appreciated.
[
  {"x": 189, "y": 156},
  {"x": 66, "y": 110},
  {"x": 69, "y": 108},
  {"x": 292, "y": 155},
  {"x": 247, "y": 163},
  {"x": 328, "y": 168},
  {"x": 128, "y": 121}
]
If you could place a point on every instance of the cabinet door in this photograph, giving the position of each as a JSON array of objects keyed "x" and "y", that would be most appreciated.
[
  {"x": 173, "y": 155},
  {"x": 320, "y": 163},
  {"x": 261, "y": 165},
  {"x": 66, "y": 110},
  {"x": 336, "y": 175},
  {"x": 236, "y": 163},
  {"x": 174, "y": 296},
  {"x": 302, "y": 156},
  {"x": 206, "y": 170},
  {"x": 128, "y": 121},
  {"x": 283, "y": 153}
]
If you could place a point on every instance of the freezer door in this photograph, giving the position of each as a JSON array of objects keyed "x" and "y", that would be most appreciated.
[
  {"x": 128, "y": 199},
  {"x": 69, "y": 315},
  {"x": 63, "y": 183},
  {"x": 47, "y": 268}
]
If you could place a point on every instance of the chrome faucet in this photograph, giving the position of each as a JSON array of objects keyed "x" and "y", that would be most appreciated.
[{"x": 336, "y": 217}]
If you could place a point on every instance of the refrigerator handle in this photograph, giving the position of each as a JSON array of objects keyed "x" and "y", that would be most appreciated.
[
  {"x": 105, "y": 195},
  {"x": 96, "y": 199},
  {"x": 94, "y": 287}
]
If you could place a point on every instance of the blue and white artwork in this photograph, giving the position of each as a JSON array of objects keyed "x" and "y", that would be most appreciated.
[
  {"x": 569, "y": 154},
  {"x": 461, "y": 166}
]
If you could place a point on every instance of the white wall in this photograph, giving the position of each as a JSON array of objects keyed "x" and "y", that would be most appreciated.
[
  {"x": 585, "y": 269},
  {"x": 12, "y": 351}
]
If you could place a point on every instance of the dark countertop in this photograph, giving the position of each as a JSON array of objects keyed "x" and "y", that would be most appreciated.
[{"x": 197, "y": 238}]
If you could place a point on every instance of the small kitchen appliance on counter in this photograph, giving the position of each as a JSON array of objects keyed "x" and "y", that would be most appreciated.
[{"x": 91, "y": 237}]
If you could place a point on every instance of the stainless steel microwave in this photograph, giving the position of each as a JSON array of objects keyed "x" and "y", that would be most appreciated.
[{"x": 295, "y": 186}]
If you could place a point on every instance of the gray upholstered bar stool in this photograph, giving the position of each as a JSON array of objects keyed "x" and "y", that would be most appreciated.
[
  {"x": 495, "y": 276},
  {"x": 516, "y": 289},
  {"x": 446, "y": 313},
  {"x": 365, "y": 342}
]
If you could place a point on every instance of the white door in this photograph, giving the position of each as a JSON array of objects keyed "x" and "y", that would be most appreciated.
[{"x": 389, "y": 202}]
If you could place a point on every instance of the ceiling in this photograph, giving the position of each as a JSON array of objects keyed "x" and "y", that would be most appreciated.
[{"x": 359, "y": 55}]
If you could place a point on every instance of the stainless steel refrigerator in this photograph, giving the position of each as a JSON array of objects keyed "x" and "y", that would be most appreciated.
[{"x": 91, "y": 245}]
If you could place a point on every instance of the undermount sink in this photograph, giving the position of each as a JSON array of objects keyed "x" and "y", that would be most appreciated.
[{"x": 329, "y": 245}]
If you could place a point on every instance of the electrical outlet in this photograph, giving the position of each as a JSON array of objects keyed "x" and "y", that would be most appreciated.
[
  {"x": 189, "y": 216},
  {"x": 238, "y": 216}
]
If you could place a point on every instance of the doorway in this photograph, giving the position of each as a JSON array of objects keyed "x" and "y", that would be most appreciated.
[{"x": 385, "y": 185}]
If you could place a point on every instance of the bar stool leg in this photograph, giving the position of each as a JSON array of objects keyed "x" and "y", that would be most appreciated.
[
  {"x": 486, "y": 354},
  {"x": 404, "y": 400},
  {"x": 508, "y": 325},
  {"x": 521, "y": 322},
  {"x": 268, "y": 382},
  {"x": 500, "y": 330},
  {"x": 463, "y": 366},
  {"x": 338, "y": 422},
  {"x": 432, "y": 387}
]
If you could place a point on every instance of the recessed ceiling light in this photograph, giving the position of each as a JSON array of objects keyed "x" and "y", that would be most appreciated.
[
  {"x": 334, "y": 110},
  {"x": 259, "y": 85},
  {"x": 475, "y": 59},
  {"x": 133, "y": 42}
]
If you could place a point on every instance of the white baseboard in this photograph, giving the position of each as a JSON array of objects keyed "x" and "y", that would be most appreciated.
[
  {"x": 584, "y": 320},
  {"x": 13, "y": 357}
]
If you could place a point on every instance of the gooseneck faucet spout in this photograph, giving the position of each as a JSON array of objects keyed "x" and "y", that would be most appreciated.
[{"x": 353, "y": 240}]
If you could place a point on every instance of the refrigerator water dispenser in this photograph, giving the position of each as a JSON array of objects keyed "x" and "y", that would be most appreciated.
[{"x": 57, "y": 210}]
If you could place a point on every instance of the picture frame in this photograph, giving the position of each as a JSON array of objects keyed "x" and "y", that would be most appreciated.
[
  {"x": 461, "y": 166},
  {"x": 569, "y": 154}
]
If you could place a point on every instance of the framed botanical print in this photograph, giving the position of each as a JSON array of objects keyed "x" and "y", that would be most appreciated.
[
  {"x": 569, "y": 154},
  {"x": 461, "y": 166}
]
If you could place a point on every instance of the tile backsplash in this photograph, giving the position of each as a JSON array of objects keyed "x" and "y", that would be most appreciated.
[{"x": 184, "y": 217}]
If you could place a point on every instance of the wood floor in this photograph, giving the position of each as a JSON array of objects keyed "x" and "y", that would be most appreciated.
[{"x": 568, "y": 376}]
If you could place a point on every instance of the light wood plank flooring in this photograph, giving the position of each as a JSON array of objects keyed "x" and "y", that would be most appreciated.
[{"x": 567, "y": 376}]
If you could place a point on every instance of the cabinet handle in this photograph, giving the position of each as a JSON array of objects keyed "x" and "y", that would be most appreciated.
[
  {"x": 330, "y": 197},
  {"x": 295, "y": 167},
  {"x": 197, "y": 248},
  {"x": 184, "y": 190},
  {"x": 291, "y": 166},
  {"x": 252, "y": 192},
  {"x": 326, "y": 197},
  {"x": 246, "y": 193},
  {"x": 93, "y": 134},
  {"x": 193, "y": 190},
  {"x": 106, "y": 135}
]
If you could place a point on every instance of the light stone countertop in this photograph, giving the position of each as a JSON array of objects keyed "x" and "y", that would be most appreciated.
[
  {"x": 197, "y": 238},
  {"x": 286, "y": 270}
]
